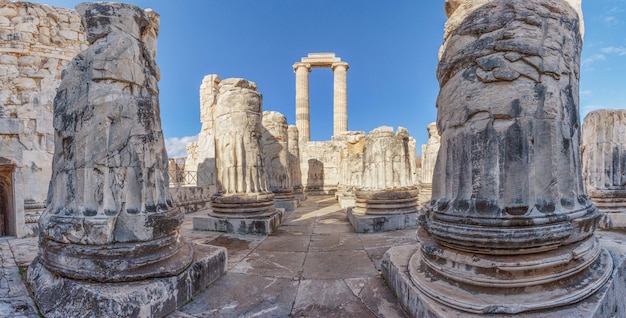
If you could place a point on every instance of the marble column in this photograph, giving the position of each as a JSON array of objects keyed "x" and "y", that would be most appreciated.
[
  {"x": 509, "y": 228},
  {"x": 429, "y": 157},
  {"x": 604, "y": 164},
  {"x": 303, "y": 118},
  {"x": 109, "y": 234},
  {"x": 386, "y": 199},
  {"x": 294, "y": 162},
  {"x": 243, "y": 202},
  {"x": 340, "y": 100},
  {"x": 276, "y": 155}
]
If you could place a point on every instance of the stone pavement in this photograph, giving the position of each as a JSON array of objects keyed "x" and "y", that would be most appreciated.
[{"x": 314, "y": 265}]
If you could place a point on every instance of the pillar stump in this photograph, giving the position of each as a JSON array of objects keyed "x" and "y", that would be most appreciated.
[
  {"x": 294, "y": 162},
  {"x": 386, "y": 199},
  {"x": 429, "y": 157},
  {"x": 109, "y": 243},
  {"x": 243, "y": 204},
  {"x": 509, "y": 228},
  {"x": 604, "y": 164},
  {"x": 276, "y": 152}
]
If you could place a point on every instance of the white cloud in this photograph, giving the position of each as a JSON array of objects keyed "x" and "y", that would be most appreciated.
[
  {"x": 177, "y": 147},
  {"x": 621, "y": 51},
  {"x": 593, "y": 58},
  {"x": 586, "y": 92}
]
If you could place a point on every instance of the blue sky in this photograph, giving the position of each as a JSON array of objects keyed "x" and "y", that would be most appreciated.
[{"x": 391, "y": 47}]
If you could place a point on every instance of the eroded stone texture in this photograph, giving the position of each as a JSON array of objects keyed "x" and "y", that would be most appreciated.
[
  {"x": 294, "y": 161},
  {"x": 386, "y": 191},
  {"x": 509, "y": 228},
  {"x": 276, "y": 157},
  {"x": 36, "y": 43},
  {"x": 243, "y": 202},
  {"x": 351, "y": 157},
  {"x": 109, "y": 216},
  {"x": 429, "y": 157},
  {"x": 604, "y": 164}
]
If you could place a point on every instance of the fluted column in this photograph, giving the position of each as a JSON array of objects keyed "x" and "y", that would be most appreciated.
[
  {"x": 340, "y": 107},
  {"x": 303, "y": 120}
]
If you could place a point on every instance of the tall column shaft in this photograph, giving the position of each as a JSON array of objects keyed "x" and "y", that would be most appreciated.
[
  {"x": 303, "y": 119},
  {"x": 340, "y": 107}
]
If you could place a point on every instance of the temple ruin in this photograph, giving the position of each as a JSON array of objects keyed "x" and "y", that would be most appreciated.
[
  {"x": 109, "y": 218},
  {"x": 515, "y": 209}
]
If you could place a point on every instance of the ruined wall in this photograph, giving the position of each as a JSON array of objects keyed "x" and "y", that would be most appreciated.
[{"x": 36, "y": 43}]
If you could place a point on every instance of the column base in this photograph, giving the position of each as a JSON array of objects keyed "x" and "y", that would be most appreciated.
[
  {"x": 382, "y": 223},
  {"x": 261, "y": 225},
  {"x": 58, "y": 296},
  {"x": 401, "y": 266},
  {"x": 613, "y": 210}
]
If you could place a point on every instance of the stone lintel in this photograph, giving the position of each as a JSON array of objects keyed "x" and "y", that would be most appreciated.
[
  {"x": 262, "y": 225},
  {"x": 156, "y": 297},
  {"x": 382, "y": 223},
  {"x": 321, "y": 59}
]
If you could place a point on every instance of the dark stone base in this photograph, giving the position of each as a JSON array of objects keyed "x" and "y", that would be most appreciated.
[
  {"x": 382, "y": 223},
  {"x": 606, "y": 302},
  {"x": 263, "y": 225},
  {"x": 62, "y": 297}
]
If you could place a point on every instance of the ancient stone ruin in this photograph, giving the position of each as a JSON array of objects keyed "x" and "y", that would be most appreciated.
[
  {"x": 110, "y": 241},
  {"x": 243, "y": 202},
  {"x": 386, "y": 199},
  {"x": 276, "y": 157},
  {"x": 604, "y": 164},
  {"x": 509, "y": 228},
  {"x": 294, "y": 162},
  {"x": 429, "y": 157},
  {"x": 36, "y": 43}
]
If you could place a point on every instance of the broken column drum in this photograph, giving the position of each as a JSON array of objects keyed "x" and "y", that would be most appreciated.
[
  {"x": 243, "y": 202},
  {"x": 109, "y": 216},
  {"x": 604, "y": 164},
  {"x": 429, "y": 157},
  {"x": 387, "y": 192},
  {"x": 509, "y": 227},
  {"x": 294, "y": 161},
  {"x": 276, "y": 155}
]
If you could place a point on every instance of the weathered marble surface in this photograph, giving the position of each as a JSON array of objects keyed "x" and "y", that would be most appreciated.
[
  {"x": 508, "y": 196},
  {"x": 36, "y": 44},
  {"x": 604, "y": 164},
  {"x": 293, "y": 146},
  {"x": 201, "y": 154},
  {"x": 429, "y": 157},
  {"x": 109, "y": 218},
  {"x": 386, "y": 191},
  {"x": 243, "y": 202},
  {"x": 276, "y": 156}
]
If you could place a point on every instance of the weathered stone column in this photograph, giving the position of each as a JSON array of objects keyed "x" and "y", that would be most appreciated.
[
  {"x": 340, "y": 101},
  {"x": 350, "y": 144},
  {"x": 294, "y": 162},
  {"x": 509, "y": 228},
  {"x": 243, "y": 202},
  {"x": 303, "y": 118},
  {"x": 276, "y": 154},
  {"x": 386, "y": 200},
  {"x": 429, "y": 157},
  {"x": 604, "y": 164},
  {"x": 109, "y": 235}
]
